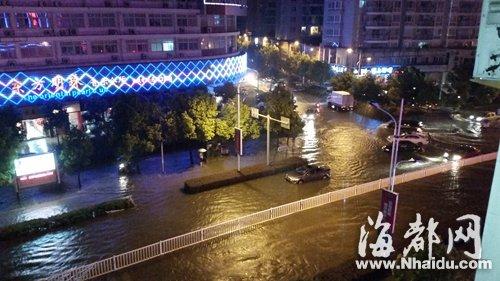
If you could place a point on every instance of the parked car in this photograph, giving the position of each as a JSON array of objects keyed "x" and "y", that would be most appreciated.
[
  {"x": 416, "y": 138},
  {"x": 404, "y": 146},
  {"x": 308, "y": 173}
]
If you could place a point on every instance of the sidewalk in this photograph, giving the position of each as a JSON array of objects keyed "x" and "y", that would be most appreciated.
[{"x": 104, "y": 184}]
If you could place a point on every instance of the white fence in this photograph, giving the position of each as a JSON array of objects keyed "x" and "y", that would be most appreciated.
[{"x": 130, "y": 258}]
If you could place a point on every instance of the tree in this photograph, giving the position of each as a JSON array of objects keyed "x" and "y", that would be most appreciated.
[
  {"x": 10, "y": 141},
  {"x": 461, "y": 91},
  {"x": 343, "y": 81},
  {"x": 280, "y": 103},
  {"x": 409, "y": 83},
  {"x": 137, "y": 126},
  {"x": 188, "y": 130},
  {"x": 76, "y": 152},
  {"x": 228, "y": 120},
  {"x": 319, "y": 72},
  {"x": 202, "y": 109},
  {"x": 56, "y": 118},
  {"x": 367, "y": 88},
  {"x": 227, "y": 91},
  {"x": 269, "y": 62}
]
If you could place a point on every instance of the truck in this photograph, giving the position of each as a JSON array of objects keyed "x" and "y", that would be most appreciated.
[{"x": 340, "y": 100}]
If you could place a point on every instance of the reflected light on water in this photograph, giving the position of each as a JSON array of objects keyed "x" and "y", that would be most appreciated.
[
  {"x": 123, "y": 181},
  {"x": 38, "y": 212},
  {"x": 310, "y": 147}
]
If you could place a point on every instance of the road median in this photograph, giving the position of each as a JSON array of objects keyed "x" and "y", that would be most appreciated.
[{"x": 218, "y": 180}]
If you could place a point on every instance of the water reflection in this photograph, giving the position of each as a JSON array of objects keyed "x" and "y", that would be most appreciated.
[
  {"x": 40, "y": 212},
  {"x": 310, "y": 145}
]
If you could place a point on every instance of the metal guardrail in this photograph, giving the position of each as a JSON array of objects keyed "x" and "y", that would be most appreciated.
[{"x": 163, "y": 247}]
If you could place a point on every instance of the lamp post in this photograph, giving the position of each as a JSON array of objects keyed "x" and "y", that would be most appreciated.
[
  {"x": 349, "y": 52},
  {"x": 239, "y": 128},
  {"x": 395, "y": 142}
]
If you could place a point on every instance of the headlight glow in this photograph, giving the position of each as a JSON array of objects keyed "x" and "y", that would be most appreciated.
[{"x": 456, "y": 157}]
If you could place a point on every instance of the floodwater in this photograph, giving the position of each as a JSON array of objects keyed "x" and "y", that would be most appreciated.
[{"x": 290, "y": 249}]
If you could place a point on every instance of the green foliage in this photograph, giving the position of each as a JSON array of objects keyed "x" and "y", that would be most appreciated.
[
  {"x": 269, "y": 61},
  {"x": 228, "y": 120},
  {"x": 76, "y": 150},
  {"x": 10, "y": 141},
  {"x": 319, "y": 72},
  {"x": 56, "y": 117},
  {"x": 410, "y": 83},
  {"x": 40, "y": 226},
  {"x": 470, "y": 93},
  {"x": 344, "y": 81},
  {"x": 367, "y": 88},
  {"x": 202, "y": 109},
  {"x": 138, "y": 127},
  {"x": 280, "y": 103},
  {"x": 227, "y": 91}
]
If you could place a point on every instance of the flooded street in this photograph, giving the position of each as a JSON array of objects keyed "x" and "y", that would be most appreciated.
[{"x": 299, "y": 247}]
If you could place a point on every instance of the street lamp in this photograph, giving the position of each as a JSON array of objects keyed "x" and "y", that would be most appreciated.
[
  {"x": 395, "y": 142},
  {"x": 369, "y": 59}
]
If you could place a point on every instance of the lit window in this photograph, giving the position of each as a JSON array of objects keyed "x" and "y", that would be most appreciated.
[
  {"x": 7, "y": 51},
  {"x": 36, "y": 50},
  {"x": 4, "y": 20},
  {"x": 162, "y": 46},
  {"x": 32, "y": 20}
]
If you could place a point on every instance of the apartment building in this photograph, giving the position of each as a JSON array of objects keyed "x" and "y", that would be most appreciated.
[
  {"x": 39, "y": 34},
  {"x": 300, "y": 20},
  {"x": 263, "y": 17},
  {"x": 434, "y": 35},
  {"x": 73, "y": 50}
]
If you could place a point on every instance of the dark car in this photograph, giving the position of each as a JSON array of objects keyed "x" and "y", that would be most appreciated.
[
  {"x": 407, "y": 124},
  {"x": 461, "y": 151},
  {"x": 308, "y": 173},
  {"x": 404, "y": 146}
]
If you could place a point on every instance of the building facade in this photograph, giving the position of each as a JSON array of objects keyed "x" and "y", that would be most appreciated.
[
  {"x": 69, "y": 50},
  {"x": 262, "y": 16},
  {"x": 432, "y": 35},
  {"x": 47, "y": 34},
  {"x": 300, "y": 20}
]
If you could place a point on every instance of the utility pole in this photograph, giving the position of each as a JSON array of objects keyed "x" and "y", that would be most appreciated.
[
  {"x": 396, "y": 140},
  {"x": 284, "y": 121},
  {"x": 239, "y": 130}
]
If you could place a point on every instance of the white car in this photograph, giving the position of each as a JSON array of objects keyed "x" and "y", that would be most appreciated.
[{"x": 416, "y": 138}]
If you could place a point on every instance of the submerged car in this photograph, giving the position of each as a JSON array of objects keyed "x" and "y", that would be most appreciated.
[
  {"x": 404, "y": 146},
  {"x": 308, "y": 173},
  {"x": 416, "y": 138},
  {"x": 461, "y": 151}
]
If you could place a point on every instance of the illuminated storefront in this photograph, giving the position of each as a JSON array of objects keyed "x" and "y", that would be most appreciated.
[{"x": 39, "y": 86}]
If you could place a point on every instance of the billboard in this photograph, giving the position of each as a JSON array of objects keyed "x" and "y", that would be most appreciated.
[
  {"x": 487, "y": 65},
  {"x": 36, "y": 170},
  {"x": 39, "y": 86}
]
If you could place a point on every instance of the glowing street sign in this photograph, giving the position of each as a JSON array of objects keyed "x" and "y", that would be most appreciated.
[
  {"x": 35, "y": 164},
  {"x": 35, "y": 170},
  {"x": 31, "y": 87}
]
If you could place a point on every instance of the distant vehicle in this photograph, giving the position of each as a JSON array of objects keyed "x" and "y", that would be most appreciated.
[
  {"x": 407, "y": 124},
  {"x": 461, "y": 151},
  {"x": 404, "y": 146},
  {"x": 126, "y": 167},
  {"x": 311, "y": 112},
  {"x": 340, "y": 100},
  {"x": 416, "y": 138},
  {"x": 308, "y": 173}
]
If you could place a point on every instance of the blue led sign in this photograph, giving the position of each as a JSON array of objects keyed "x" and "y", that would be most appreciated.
[{"x": 30, "y": 87}]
